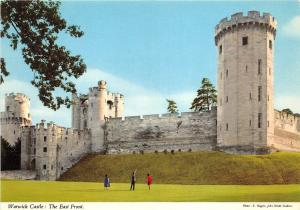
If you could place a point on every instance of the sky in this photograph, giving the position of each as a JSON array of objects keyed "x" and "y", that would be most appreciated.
[{"x": 153, "y": 50}]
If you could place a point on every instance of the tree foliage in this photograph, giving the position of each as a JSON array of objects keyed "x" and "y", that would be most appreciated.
[
  {"x": 172, "y": 106},
  {"x": 206, "y": 96},
  {"x": 287, "y": 110},
  {"x": 10, "y": 155},
  {"x": 34, "y": 26}
]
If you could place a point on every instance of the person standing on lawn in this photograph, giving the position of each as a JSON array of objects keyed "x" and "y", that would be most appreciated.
[
  {"x": 133, "y": 180},
  {"x": 106, "y": 182},
  {"x": 149, "y": 180}
]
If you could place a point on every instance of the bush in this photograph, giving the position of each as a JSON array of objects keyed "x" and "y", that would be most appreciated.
[
  {"x": 165, "y": 151},
  {"x": 156, "y": 152},
  {"x": 179, "y": 150},
  {"x": 141, "y": 152},
  {"x": 172, "y": 151},
  {"x": 133, "y": 152},
  {"x": 190, "y": 150}
]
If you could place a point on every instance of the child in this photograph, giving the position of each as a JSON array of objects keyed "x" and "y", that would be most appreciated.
[
  {"x": 149, "y": 180},
  {"x": 106, "y": 182}
]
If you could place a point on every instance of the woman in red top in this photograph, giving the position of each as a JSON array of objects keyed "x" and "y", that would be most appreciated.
[{"x": 149, "y": 180}]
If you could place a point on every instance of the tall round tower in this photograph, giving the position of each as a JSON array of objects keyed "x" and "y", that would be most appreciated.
[
  {"x": 16, "y": 114},
  {"x": 245, "y": 48}
]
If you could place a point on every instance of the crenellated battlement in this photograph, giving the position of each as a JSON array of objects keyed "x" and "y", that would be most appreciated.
[
  {"x": 163, "y": 116},
  {"x": 239, "y": 21},
  {"x": 7, "y": 118},
  {"x": 17, "y": 96}
]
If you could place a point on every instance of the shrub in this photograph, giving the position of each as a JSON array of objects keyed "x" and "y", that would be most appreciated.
[
  {"x": 179, "y": 150},
  {"x": 142, "y": 152},
  {"x": 172, "y": 151},
  {"x": 190, "y": 150},
  {"x": 156, "y": 152},
  {"x": 165, "y": 151}
]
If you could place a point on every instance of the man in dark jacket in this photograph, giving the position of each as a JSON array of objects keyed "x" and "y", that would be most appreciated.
[{"x": 133, "y": 180}]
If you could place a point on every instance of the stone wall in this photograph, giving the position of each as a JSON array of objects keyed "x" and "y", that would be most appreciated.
[
  {"x": 189, "y": 131},
  {"x": 287, "y": 132}
]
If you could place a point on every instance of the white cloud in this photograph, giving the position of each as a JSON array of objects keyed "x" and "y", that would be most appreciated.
[
  {"x": 138, "y": 100},
  {"x": 292, "y": 102},
  {"x": 37, "y": 110},
  {"x": 292, "y": 28}
]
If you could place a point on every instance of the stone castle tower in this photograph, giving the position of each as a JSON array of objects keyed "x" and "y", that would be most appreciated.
[
  {"x": 245, "y": 48},
  {"x": 90, "y": 112},
  {"x": 16, "y": 114}
]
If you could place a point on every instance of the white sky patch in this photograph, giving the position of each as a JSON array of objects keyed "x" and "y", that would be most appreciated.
[
  {"x": 138, "y": 100},
  {"x": 292, "y": 28},
  {"x": 37, "y": 110},
  {"x": 292, "y": 102}
]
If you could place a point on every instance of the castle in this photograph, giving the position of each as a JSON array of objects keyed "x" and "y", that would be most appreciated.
[{"x": 244, "y": 120}]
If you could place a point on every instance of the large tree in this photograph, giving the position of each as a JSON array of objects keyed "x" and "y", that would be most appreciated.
[
  {"x": 172, "y": 106},
  {"x": 206, "y": 96},
  {"x": 34, "y": 26}
]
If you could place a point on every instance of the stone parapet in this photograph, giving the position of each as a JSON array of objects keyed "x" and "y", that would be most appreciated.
[{"x": 239, "y": 21}]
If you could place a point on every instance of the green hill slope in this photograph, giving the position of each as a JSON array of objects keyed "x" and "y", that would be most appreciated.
[{"x": 190, "y": 168}]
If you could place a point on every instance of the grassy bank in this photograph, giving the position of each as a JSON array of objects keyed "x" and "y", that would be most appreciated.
[
  {"x": 87, "y": 191},
  {"x": 190, "y": 168}
]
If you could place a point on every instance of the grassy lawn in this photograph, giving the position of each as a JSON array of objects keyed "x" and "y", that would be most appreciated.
[
  {"x": 88, "y": 191},
  {"x": 205, "y": 168}
]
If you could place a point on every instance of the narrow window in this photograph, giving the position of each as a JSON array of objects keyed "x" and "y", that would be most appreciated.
[
  {"x": 226, "y": 73},
  {"x": 226, "y": 126},
  {"x": 259, "y": 66},
  {"x": 220, "y": 49},
  {"x": 269, "y": 71},
  {"x": 270, "y": 44},
  {"x": 51, "y": 167},
  {"x": 226, "y": 99},
  {"x": 246, "y": 68},
  {"x": 250, "y": 123},
  {"x": 7, "y": 108},
  {"x": 85, "y": 124},
  {"x": 45, "y": 149},
  {"x": 268, "y": 123},
  {"x": 44, "y": 166},
  {"x": 45, "y": 138},
  {"x": 250, "y": 96},
  {"x": 268, "y": 97},
  {"x": 259, "y": 120},
  {"x": 245, "y": 40},
  {"x": 34, "y": 151},
  {"x": 259, "y": 93},
  {"x": 14, "y": 132},
  {"x": 62, "y": 168}
]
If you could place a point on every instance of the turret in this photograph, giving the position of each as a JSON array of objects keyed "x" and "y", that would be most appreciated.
[{"x": 16, "y": 114}]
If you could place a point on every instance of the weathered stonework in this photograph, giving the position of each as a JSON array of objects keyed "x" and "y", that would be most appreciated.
[
  {"x": 244, "y": 122},
  {"x": 189, "y": 131}
]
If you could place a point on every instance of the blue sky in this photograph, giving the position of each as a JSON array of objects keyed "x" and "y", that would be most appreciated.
[{"x": 150, "y": 51}]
